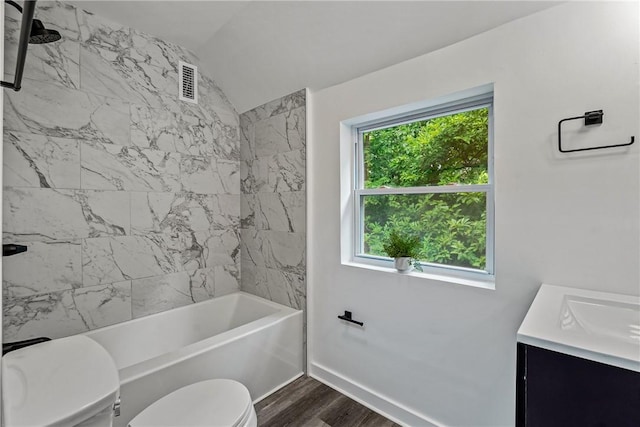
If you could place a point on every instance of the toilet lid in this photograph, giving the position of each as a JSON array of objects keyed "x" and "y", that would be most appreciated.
[
  {"x": 219, "y": 402},
  {"x": 60, "y": 382}
]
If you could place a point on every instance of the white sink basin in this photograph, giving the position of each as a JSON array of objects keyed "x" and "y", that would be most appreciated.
[
  {"x": 599, "y": 326},
  {"x": 611, "y": 319}
]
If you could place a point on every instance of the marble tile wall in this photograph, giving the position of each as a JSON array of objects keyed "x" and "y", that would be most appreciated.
[
  {"x": 128, "y": 199},
  {"x": 273, "y": 200}
]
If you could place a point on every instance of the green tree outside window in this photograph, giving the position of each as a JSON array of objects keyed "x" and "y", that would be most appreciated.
[{"x": 447, "y": 150}]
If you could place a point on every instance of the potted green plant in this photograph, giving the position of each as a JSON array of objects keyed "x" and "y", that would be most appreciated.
[{"x": 404, "y": 249}]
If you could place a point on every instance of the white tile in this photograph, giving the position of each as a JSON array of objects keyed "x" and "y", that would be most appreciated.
[
  {"x": 134, "y": 182},
  {"x": 275, "y": 285},
  {"x": 43, "y": 214},
  {"x": 52, "y": 315},
  {"x": 251, "y": 243},
  {"x": 248, "y": 209},
  {"x": 113, "y": 167},
  {"x": 247, "y": 138},
  {"x": 226, "y": 176},
  {"x": 220, "y": 247},
  {"x": 57, "y": 63},
  {"x": 151, "y": 50},
  {"x": 254, "y": 175},
  {"x": 214, "y": 98},
  {"x": 286, "y": 172},
  {"x": 184, "y": 129},
  {"x": 284, "y": 251},
  {"x": 61, "y": 16},
  {"x": 226, "y": 279},
  {"x": 279, "y": 134},
  {"x": 53, "y": 110},
  {"x": 225, "y": 211},
  {"x": 45, "y": 267},
  {"x": 153, "y": 128},
  {"x": 64, "y": 313},
  {"x": 197, "y": 175},
  {"x": 40, "y": 161},
  {"x": 106, "y": 212},
  {"x": 280, "y": 211},
  {"x": 160, "y": 293},
  {"x": 171, "y": 212},
  {"x": 101, "y": 306},
  {"x": 109, "y": 260},
  {"x": 110, "y": 71},
  {"x": 287, "y": 288},
  {"x": 278, "y": 106}
]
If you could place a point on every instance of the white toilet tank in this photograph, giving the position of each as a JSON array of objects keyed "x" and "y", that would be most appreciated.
[{"x": 70, "y": 381}]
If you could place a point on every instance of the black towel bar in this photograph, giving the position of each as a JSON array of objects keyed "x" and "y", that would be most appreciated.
[
  {"x": 590, "y": 118},
  {"x": 347, "y": 316}
]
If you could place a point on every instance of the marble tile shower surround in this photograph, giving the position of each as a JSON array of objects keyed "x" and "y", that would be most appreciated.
[
  {"x": 128, "y": 199},
  {"x": 273, "y": 200}
]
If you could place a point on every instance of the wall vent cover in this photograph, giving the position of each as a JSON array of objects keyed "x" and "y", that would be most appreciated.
[{"x": 188, "y": 81}]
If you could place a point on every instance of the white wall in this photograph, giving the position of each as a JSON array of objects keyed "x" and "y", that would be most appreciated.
[{"x": 446, "y": 352}]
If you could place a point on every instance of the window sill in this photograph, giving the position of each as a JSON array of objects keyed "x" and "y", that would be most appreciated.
[{"x": 488, "y": 283}]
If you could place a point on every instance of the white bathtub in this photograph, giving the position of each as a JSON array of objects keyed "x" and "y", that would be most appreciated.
[{"x": 238, "y": 336}]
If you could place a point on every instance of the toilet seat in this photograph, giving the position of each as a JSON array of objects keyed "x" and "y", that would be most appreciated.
[{"x": 218, "y": 402}]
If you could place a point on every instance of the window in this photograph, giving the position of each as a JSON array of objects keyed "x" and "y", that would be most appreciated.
[{"x": 428, "y": 174}]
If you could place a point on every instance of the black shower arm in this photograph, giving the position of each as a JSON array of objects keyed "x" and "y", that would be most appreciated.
[
  {"x": 25, "y": 30},
  {"x": 14, "y": 4}
]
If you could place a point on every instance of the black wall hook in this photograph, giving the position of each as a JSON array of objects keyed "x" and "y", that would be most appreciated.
[
  {"x": 347, "y": 316},
  {"x": 590, "y": 118}
]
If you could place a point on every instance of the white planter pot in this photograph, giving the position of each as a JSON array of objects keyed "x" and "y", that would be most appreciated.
[{"x": 403, "y": 263}]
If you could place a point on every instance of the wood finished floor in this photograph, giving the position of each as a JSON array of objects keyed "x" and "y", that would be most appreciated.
[{"x": 309, "y": 403}]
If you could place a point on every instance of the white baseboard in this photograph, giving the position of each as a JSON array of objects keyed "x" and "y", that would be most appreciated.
[
  {"x": 394, "y": 411},
  {"x": 270, "y": 392}
]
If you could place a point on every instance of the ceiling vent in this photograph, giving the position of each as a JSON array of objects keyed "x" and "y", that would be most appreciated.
[{"x": 188, "y": 77}]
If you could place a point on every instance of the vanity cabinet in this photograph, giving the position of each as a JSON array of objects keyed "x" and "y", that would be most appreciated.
[{"x": 557, "y": 389}]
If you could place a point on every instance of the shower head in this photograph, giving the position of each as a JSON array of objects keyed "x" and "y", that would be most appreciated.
[
  {"x": 31, "y": 31},
  {"x": 39, "y": 34}
]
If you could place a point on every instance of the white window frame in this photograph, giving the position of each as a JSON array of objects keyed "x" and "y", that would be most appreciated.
[{"x": 444, "y": 109}]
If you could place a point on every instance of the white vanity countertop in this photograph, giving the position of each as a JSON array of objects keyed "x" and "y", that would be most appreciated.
[{"x": 599, "y": 326}]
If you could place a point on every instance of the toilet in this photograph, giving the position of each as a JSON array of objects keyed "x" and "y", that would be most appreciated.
[
  {"x": 218, "y": 402},
  {"x": 73, "y": 381}
]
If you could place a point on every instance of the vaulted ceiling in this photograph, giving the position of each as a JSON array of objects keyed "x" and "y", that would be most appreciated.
[{"x": 260, "y": 50}]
